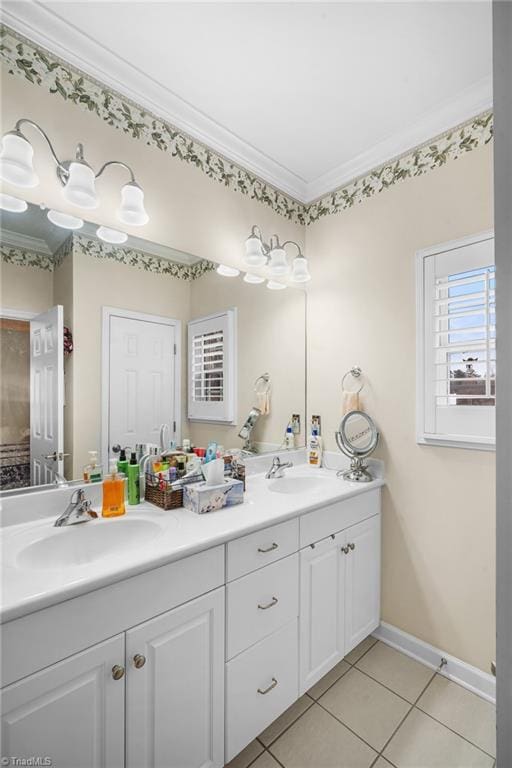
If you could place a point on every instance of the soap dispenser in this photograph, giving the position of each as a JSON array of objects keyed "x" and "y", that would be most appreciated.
[{"x": 113, "y": 493}]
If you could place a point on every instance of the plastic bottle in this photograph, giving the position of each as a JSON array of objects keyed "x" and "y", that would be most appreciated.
[
  {"x": 113, "y": 493},
  {"x": 315, "y": 449},
  {"x": 133, "y": 480},
  {"x": 92, "y": 470},
  {"x": 289, "y": 440},
  {"x": 122, "y": 463}
]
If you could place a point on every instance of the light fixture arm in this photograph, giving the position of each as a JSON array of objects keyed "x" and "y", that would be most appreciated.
[
  {"x": 27, "y": 121},
  {"x": 117, "y": 162},
  {"x": 292, "y": 242}
]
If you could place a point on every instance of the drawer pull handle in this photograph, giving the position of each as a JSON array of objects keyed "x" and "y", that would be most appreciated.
[
  {"x": 268, "y": 549},
  {"x": 273, "y": 602},
  {"x": 267, "y": 690},
  {"x": 139, "y": 660},
  {"x": 346, "y": 550},
  {"x": 352, "y": 546}
]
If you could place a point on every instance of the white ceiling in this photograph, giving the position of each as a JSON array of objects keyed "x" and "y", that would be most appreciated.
[{"x": 307, "y": 95}]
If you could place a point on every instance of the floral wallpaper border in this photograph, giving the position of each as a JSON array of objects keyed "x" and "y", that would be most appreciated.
[
  {"x": 140, "y": 259},
  {"x": 81, "y": 244},
  {"x": 41, "y": 67},
  {"x": 436, "y": 153},
  {"x": 23, "y": 257}
]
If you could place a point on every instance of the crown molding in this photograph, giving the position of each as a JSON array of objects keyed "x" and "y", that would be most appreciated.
[
  {"x": 45, "y": 28},
  {"x": 474, "y": 100},
  {"x": 25, "y": 242}
]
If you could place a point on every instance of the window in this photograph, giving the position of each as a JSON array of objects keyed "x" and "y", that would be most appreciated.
[
  {"x": 212, "y": 368},
  {"x": 456, "y": 361}
]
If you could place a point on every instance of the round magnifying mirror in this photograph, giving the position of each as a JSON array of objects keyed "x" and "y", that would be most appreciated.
[{"x": 357, "y": 438}]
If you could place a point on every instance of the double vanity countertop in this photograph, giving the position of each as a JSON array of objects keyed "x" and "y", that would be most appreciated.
[{"x": 43, "y": 565}]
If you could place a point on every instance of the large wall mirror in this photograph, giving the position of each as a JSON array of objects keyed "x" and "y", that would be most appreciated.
[{"x": 102, "y": 344}]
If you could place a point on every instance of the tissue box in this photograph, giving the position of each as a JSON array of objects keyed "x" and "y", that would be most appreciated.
[{"x": 202, "y": 498}]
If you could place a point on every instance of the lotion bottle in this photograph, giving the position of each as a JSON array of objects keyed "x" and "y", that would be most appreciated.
[
  {"x": 315, "y": 449},
  {"x": 133, "y": 481}
]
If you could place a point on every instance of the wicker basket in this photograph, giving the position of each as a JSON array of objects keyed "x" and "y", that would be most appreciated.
[{"x": 163, "y": 494}]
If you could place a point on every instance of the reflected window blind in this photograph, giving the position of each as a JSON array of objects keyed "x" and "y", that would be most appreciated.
[
  {"x": 464, "y": 327},
  {"x": 208, "y": 367}
]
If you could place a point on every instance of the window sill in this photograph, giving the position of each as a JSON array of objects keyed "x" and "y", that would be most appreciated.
[{"x": 457, "y": 441}]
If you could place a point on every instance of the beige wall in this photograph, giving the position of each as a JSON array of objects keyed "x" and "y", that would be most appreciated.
[
  {"x": 271, "y": 338},
  {"x": 439, "y": 508},
  {"x": 29, "y": 289}
]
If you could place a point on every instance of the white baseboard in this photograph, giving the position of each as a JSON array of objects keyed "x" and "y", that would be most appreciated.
[{"x": 469, "y": 677}]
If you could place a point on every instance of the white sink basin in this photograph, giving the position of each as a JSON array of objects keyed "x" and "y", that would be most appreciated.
[
  {"x": 84, "y": 543},
  {"x": 295, "y": 485}
]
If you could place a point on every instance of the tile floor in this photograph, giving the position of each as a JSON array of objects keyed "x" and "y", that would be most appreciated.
[{"x": 378, "y": 709}]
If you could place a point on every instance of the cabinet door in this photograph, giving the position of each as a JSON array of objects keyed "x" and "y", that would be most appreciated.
[
  {"x": 71, "y": 713},
  {"x": 322, "y": 593},
  {"x": 175, "y": 700},
  {"x": 362, "y": 563}
]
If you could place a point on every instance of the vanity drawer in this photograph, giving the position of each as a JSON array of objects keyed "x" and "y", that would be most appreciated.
[
  {"x": 260, "y": 603},
  {"x": 261, "y": 548},
  {"x": 260, "y": 684},
  {"x": 321, "y": 523}
]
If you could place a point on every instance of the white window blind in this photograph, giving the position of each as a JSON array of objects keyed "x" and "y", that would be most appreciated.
[
  {"x": 457, "y": 343},
  {"x": 211, "y": 367}
]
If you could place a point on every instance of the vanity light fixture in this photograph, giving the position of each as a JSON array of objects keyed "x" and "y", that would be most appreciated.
[
  {"x": 112, "y": 235},
  {"x": 64, "y": 220},
  {"x": 275, "y": 286},
  {"x": 76, "y": 176},
  {"x": 226, "y": 271},
  {"x": 12, "y": 204},
  {"x": 253, "y": 279},
  {"x": 273, "y": 255}
]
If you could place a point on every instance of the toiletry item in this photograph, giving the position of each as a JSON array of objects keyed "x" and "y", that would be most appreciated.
[
  {"x": 133, "y": 481},
  {"x": 186, "y": 445},
  {"x": 315, "y": 449},
  {"x": 92, "y": 470},
  {"x": 289, "y": 441},
  {"x": 122, "y": 463},
  {"x": 113, "y": 493},
  {"x": 211, "y": 452}
]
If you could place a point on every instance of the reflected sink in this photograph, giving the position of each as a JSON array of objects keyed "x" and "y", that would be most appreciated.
[
  {"x": 84, "y": 543},
  {"x": 292, "y": 485}
]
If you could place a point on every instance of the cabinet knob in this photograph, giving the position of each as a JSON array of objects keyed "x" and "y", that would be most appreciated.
[
  {"x": 268, "y": 549},
  {"x": 346, "y": 550},
  {"x": 139, "y": 660},
  {"x": 267, "y": 690},
  {"x": 117, "y": 671},
  {"x": 352, "y": 546}
]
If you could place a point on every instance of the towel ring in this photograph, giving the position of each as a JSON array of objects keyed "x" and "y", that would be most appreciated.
[
  {"x": 356, "y": 373},
  {"x": 264, "y": 380}
]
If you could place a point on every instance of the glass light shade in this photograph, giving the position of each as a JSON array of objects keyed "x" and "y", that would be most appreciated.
[
  {"x": 132, "y": 211},
  {"x": 16, "y": 161},
  {"x": 12, "y": 204},
  {"x": 226, "y": 271},
  {"x": 278, "y": 265},
  {"x": 254, "y": 255},
  {"x": 80, "y": 187},
  {"x": 275, "y": 286},
  {"x": 300, "y": 271},
  {"x": 64, "y": 220},
  {"x": 253, "y": 279},
  {"x": 111, "y": 235}
]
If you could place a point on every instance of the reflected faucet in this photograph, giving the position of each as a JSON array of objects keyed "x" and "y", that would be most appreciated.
[
  {"x": 245, "y": 432},
  {"x": 79, "y": 510}
]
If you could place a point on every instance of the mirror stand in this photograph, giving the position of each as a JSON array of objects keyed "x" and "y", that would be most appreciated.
[{"x": 358, "y": 471}]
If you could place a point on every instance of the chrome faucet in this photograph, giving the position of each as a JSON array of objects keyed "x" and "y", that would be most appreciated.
[
  {"x": 77, "y": 511},
  {"x": 277, "y": 468}
]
